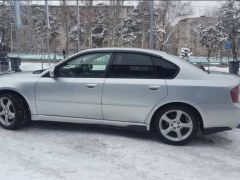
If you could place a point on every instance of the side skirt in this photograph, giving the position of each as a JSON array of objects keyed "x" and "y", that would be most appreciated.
[
  {"x": 127, "y": 125},
  {"x": 211, "y": 130}
]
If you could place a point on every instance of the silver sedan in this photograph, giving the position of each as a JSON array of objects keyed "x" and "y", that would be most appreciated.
[{"x": 130, "y": 88}]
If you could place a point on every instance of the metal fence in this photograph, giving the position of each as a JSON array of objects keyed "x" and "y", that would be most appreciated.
[
  {"x": 37, "y": 57},
  {"x": 211, "y": 60}
]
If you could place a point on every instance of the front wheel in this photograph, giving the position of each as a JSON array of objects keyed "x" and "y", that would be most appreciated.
[
  {"x": 176, "y": 125},
  {"x": 13, "y": 111}
]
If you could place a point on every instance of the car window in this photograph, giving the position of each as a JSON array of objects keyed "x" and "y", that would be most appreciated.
[
  {"x": 164, "y": 69},
  {"x": 130, "y": 65},
  {"x": 89, "y": 66}
]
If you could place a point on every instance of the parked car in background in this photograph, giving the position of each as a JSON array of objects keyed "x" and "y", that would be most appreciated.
[{"x": 125, "y": 87}]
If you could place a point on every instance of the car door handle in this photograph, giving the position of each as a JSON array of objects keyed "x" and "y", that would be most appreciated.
[
  {"x": 92, "y": 85},
  {"x": 154, "y": 87}
]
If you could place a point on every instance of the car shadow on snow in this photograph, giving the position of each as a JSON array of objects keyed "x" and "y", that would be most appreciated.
[
  {"x": 86, "y": 128},
  {"x": 60, "y": 127}
]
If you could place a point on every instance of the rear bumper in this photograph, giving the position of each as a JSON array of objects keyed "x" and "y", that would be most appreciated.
[{"x": 220, "y": 117}]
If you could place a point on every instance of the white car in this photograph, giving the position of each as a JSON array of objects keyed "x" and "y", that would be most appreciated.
[{"x": 131, "y": 88}]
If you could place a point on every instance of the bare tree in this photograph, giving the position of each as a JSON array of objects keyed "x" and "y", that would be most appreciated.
[
  {"x": 116, "y": 6},
  {"x": 7, "y": 21},
  {"x": 41, "y": 27},
  {"x": 171, "y": 12},
  {"x": 99, "y": 31},
  {"x": 65, "y": 22}
]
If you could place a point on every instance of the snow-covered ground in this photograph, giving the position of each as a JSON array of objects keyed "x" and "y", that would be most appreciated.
[
  {"x": 56, "y": 151},
  {"x": 60, "y": 151},
  {"x": 216, "y": 68},
  {"x": 32, "y": 66}
]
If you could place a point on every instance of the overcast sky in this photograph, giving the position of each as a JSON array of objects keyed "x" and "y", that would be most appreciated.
[{"x": 199, "y": 6}]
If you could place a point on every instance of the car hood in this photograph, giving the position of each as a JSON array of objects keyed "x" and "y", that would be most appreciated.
[{"x": 18, "y": 81}]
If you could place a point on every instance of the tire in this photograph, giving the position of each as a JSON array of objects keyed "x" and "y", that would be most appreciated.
[
  {"x": 175, "y": 125},
  {"x": 14, "y": 111}
]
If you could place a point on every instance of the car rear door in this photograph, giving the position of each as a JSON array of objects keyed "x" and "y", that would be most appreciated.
[
  {"x": 76, "y": 89},
  {"x": 131, "y": 88}
]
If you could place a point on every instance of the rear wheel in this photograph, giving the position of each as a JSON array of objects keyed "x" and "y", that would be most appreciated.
[
  {"x": 13, "y": 111},
  {"x": 176, "y": 125}
]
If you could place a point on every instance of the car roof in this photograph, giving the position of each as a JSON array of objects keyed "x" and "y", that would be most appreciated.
[
  {"x": 121, "y": 49},
  {"x": 172, "y": 58}
]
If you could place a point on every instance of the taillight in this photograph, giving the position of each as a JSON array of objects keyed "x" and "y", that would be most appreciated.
[{"x": 234, "y": 94}]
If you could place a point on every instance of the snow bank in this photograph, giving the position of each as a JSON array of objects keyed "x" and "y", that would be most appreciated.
[
  {"x": 33, "y": 66},
  {"x": 220, "y": 69}
]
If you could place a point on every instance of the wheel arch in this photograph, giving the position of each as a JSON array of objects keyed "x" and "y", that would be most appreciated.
[
  {"x": 187, "y": 105},
  {"x": 14, "y": 92}
]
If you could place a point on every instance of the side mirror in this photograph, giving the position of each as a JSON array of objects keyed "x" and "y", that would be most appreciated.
[{"x": 51, "y": 72}]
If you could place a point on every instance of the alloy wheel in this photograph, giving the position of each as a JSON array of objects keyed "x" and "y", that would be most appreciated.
[
  {"x": 7, "y": 111},
  {"x": 176, "y": 125}
]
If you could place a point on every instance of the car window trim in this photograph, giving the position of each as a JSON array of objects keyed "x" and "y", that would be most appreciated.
[
  {"x": 109, "y": 66},
  {"x": 84, "y": 54},
  {"x": 114, "y": 56},
  {"x": 163, "y": 59}
]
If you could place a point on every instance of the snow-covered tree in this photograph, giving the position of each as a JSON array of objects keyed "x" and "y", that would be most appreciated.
[
  {"x": 229, "y": 23},
  {"x": 185, "y": 53},
  {"x": 99, "y": 31},
  {"x": 40, "y": 24},
  {"x": 73, "y": 29},
  {"x": 129, "y": 30},
  {"x": 142, "y": 10},
  {"x": 136, "y": 26},
  {"x": 166, "y": 13},
  {"x": 73, "y": 33},
  {"x": 210, "y": 37},
  {"x": 158, "y": 30}
]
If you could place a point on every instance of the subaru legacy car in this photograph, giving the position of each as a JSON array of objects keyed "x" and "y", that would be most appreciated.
[{"x": 124, "y": 87}]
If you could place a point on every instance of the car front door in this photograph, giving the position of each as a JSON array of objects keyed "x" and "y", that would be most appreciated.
[
  {"x": 131, "y": 88},
  {"x": 76, "y": 88}
]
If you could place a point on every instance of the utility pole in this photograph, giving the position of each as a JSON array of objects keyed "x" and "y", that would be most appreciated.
[
  {"x": 18, "y": 24},
  {"x": 65, "y": 16},
  {"x": 48, "y": 30},
  {"x": 78, "y": 27},
  {"x": 151, "y": 25},
  {"x": 11, "y": 38}
]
